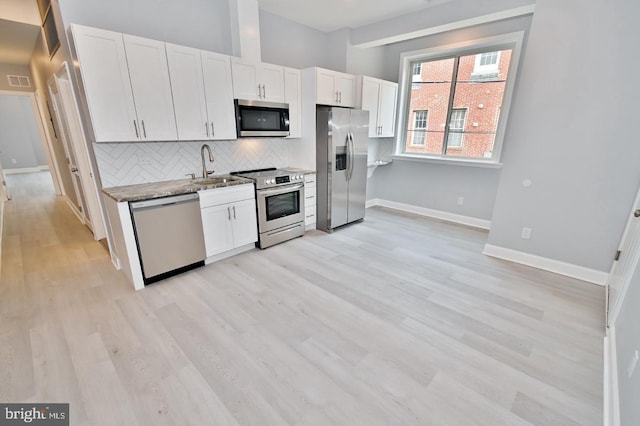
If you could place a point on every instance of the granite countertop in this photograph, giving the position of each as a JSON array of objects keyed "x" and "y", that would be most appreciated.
[
  {"x": 147, "y": 191},
  {"x": 297, "y": 170}
]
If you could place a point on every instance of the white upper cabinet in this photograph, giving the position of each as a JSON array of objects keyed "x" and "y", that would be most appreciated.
[
  {"x": 149, "y": 74},
  {"x": 202, "y": 94},
  {"x": 379, "y": 98},
  {"x": 292, "y": 91},
  {"x": 219, "y": 95},
  {"x": 105, "y": 77},
  {"x": 259, "y": 82},
  {"x": 187, "y": 84},
  {"x": 335, "y": 88}
]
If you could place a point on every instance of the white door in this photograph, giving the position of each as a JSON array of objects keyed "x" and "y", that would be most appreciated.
[
  {"x": 185, "y": 69},
  {"x": 346, "y": 90},
  {"x": 292, "y": 89},
  {"x": 245, "y": 230},
  {"x": 245, "y": 80},
  {"x": 218, "y": 88},
  {"x": 370, "y": 102},
  {"x": 103, "y": 67},
  {"x": 272, "y": 79},
  {"x": 149, "y": 74},
  {"x": 216, "y": 226},
  {"x": 326, "y": 87},
  {"x": 387, "y": 108},
  {"x": 629, "y": 253},
  {"x": 4, "y": 192},
  {"x": 76, "y": 198}
]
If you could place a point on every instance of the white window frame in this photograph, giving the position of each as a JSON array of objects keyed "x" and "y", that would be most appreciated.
[
  {"x": 486, "y": 69},
  {"x": 424, "y": 129},
  {"x": 506, "y": 41},
  {"x": 464, "y": 124}
]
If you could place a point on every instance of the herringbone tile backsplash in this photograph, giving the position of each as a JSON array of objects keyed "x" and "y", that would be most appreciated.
[{"x": 131, "y": 163}]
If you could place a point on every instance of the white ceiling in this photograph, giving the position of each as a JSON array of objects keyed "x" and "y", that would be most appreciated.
[
  {"x": 331, "y": 15},
  {"x": 17, "y": 41}
]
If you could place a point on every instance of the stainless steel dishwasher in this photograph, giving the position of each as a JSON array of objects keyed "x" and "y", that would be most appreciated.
[{"x": 169, "y": 235}]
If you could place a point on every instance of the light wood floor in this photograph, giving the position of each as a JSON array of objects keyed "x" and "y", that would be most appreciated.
[{"x": 398, "y": 320}]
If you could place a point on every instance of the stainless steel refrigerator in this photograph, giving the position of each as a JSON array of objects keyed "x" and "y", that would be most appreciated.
[{"x": 342, "y": 138}]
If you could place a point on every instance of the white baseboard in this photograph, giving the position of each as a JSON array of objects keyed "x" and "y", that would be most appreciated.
[
  {"x": 551, "y": 265},
  {"x": 26, "y": 170},
  {"x": 611, "y": 402},
  {"x": 436, "y": 214}
]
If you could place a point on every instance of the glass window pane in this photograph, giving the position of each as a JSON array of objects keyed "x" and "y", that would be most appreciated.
[
  {"x": 476, "y": 106},
  {"x": 430, "y": 96}
]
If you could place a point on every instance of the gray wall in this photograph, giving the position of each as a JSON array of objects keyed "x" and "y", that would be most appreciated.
[
  {"x": 203, "y": 24},
  {"x": 11, "y": 69},
  {"x": 19, "y": 134},
  {"x": 431, "y": 185},
  {"x": 287, "y": 43},
  {"x": 571, "y": 133}
]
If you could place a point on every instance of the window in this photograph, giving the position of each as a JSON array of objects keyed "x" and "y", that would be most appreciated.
[
  {"x": 456, "y": 128},
  {"x": 466, "y": 114},
  {"x": 419, "y": 127}
]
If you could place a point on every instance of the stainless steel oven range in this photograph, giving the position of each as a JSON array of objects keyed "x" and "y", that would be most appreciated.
[{"x": 280, "y": 204}]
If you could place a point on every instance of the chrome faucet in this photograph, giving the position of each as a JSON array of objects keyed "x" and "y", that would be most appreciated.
[{"x": 205, "y": 172}]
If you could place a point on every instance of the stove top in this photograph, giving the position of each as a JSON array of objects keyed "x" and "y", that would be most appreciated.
[{"x": 271, "y": 177}]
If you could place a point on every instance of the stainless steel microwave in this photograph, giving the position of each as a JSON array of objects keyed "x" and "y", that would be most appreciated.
[{"x": 261, "y": 119}]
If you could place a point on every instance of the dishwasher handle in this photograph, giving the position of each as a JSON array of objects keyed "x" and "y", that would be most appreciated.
[{"x": 164, "y": 201}]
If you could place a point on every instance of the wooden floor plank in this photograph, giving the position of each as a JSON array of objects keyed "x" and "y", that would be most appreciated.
[{"x": 397, "y": 320}]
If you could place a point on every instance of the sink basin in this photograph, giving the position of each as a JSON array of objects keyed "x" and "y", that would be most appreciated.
[{"x": 215, "y": 180}]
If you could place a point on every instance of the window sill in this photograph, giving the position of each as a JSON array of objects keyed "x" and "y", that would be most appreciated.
[{"x": 469, "y": 162}]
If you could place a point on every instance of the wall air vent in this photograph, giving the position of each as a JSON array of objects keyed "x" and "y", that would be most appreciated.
[{"x": 19, "y": 81}]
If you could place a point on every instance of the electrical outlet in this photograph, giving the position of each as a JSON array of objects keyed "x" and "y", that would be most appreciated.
[
  {"x": 632, "y": 364},
  {"x": 526, "y": 233},
  {"x": 460, "y": 201}
]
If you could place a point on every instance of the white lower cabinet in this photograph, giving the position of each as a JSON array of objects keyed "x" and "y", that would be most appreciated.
[
  {"x": 310, "y": 201},
  {"x": 228, "y": 218}
]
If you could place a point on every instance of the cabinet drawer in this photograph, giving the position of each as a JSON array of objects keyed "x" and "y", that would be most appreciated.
[
  {"x": 310, "y": 179},
  {"x": 229, "y": 194}
]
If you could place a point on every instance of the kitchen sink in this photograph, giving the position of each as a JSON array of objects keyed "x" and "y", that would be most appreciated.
[{"x": 215, "y": 180}]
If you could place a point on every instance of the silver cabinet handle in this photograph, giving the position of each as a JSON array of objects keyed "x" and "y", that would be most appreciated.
[
  {"x": 636, "y": 213},
  {"x": 213, "y": 133},
  {"x": 259, "y": 91},
  {"x": 264, "y": 92},
  {"x": 234, "y": 212},
  {"x": 206, "y": 128},
  {"x": 135, "y": 126},
  {"x": 337, "y": 97},
  {"x": 340, "y": 96},
  {"x": 228, "y": 213},
  {"x": 144, "y": 129}
]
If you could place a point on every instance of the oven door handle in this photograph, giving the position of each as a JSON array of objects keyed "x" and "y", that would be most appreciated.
[{"x": 281, "y": 190}]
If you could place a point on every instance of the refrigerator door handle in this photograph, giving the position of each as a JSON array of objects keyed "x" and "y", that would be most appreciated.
[{"x": 351, "y": 153}]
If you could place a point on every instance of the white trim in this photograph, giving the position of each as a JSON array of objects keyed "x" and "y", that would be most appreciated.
[
  {"x": 491, "y": 17},
  {"x": 454, "y": 161},
  {"x": 435, "y": 214},
  {"x": 514, "y": 39},
  {"x": 1, "y": 231},
  {"x": 227, "y": 254},
  {"x": 611, "y": 400},
  {"x": 544, "y": 263},
  {"x": 26, "y": 170}
]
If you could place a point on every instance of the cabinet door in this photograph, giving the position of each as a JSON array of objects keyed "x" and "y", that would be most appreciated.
[
  {"x": 217, "y": 228},
  {"x": 149, "y": 74},
  {"x": 346, "y": 87},
  {"x": 105, "y": 76},
  {"x": 272, "y": 79},
  {"x": 370, "y": 102},
  {"x": 185, "y": 70},
  {"x": 219, "y": 95},
  {"x": 245, "y": 80},
  {"x": 245, "y": 228},
  {"x": 292, "y": 90},
  {"x": 387, "y": 108},
  {"x": 326, "y": 87}
]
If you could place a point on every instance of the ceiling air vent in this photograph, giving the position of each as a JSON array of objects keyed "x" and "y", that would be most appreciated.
[{"x": 19, "y": 81}]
